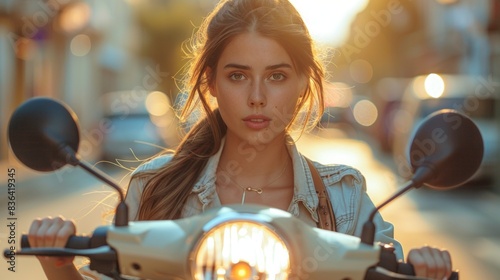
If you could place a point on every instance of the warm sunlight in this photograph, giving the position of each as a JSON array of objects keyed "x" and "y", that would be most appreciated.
[
  {"x": 329, "y": 20},
  {"x": 434, "y": 85}
]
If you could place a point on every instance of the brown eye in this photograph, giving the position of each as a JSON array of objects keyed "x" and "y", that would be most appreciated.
[
  {"x": 277, "y": 77},
  {"x": 237, "y": 76}
]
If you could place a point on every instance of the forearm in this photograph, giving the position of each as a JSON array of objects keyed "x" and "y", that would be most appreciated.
[{"x": 60, "y": 273}]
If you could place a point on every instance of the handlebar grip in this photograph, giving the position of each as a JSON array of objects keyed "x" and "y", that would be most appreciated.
[
  {"x": 407, "y": 269},
  {"x": 74, "y": 242}
]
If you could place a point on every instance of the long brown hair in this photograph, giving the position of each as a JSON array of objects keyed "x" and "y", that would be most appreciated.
[{"x": 168, "y": 188}]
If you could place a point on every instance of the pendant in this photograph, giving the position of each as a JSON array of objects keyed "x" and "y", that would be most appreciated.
[
  {"x": 259, "y": 191},
  {"x": 250, "y": 189}
]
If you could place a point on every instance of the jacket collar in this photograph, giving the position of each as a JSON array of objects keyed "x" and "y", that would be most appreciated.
[{"x": 304, "y": 190}]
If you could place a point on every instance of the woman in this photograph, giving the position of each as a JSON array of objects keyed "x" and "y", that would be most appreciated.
[{"x": 255, "y": 77}]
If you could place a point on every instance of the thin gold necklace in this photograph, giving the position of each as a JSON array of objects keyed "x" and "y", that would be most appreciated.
[{"x": 257, "y": 190}]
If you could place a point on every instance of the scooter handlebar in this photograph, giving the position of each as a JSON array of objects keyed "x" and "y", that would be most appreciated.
[
  {"x": 90, "y": 246},
  {"x": 390, "y": 268},
  {"x": 99, "y": 239},
  {"x": 407, "y": 269},
  {"x": 74, "y": 242}
]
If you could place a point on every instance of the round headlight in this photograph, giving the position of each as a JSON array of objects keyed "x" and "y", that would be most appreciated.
[{"x": 241, "y": 250}]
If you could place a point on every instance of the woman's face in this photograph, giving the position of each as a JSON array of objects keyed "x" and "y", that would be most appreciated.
[{"x": 257, "y": 88}]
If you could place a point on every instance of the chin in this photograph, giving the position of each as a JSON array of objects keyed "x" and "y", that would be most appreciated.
[{"x": 264, "y": 137}]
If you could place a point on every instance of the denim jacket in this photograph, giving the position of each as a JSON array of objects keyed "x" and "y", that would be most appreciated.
[{"x": 345, "y": 185}]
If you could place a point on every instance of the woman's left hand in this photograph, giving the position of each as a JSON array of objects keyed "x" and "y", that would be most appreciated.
[{"x": 430, "y": 262}]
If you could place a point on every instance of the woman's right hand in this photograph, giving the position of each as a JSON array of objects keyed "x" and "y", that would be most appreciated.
[{"x": 51, "y": 232}]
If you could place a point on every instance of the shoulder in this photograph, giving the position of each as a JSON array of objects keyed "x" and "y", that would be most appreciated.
[
  {"x": 138, "y": 181},
  {"x": 346, "y": 187},
  {"x": 153, "y": 163},
  {"x": 340, "y": 174}
]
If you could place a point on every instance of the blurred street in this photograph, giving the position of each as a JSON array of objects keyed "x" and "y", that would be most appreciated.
[
  {"x": 119, "y": 65},
  {"x": 463, "y": 220}
]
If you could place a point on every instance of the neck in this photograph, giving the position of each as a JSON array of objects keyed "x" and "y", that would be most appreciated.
[
  {"x": 257, "y": 163},
  {"x": 255, "y": 174}
]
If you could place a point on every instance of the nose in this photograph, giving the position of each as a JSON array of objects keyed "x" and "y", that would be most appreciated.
[{"x": 257, "y": 95}]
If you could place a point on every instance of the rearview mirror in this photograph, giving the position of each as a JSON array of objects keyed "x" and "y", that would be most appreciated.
[{"x": 448, "y": 143}]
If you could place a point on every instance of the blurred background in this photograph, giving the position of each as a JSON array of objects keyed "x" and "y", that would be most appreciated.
[{"x": 390, "y": 62}]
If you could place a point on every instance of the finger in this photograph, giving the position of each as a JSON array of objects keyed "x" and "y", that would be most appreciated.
[
  {"x": 41, "y": 232},
  {"x": 447, "y": 259},
  {"x": 32, "y": 233},
  {"x": 431, "y": 262},
  {"x": 66, "y": 229},
  {"x": 439, "y": 266},
  {"x": 436, "y": 264},
  {"x": 52, "y": 231},
  {"x": 416, "y": 259}
]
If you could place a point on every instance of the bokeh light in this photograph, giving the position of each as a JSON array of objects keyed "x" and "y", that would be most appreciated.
[
  {"x": 160, "y": 109},
  {"x": 361, "y": 71},
  {"x": 157, "y": 103},
  {"x": 365, "y": 112},
  {"x": 80, "y": 45},
  {"x": 434, "y": 85},
  {"x": 75, "y": 17}
]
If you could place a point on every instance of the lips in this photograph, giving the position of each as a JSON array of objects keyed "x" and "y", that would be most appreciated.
[{"x": 256, "y": 121}]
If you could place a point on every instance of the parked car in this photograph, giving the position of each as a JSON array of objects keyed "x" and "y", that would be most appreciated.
[
  {"x": 387, "y": 97},
  {"x": 469, "y": 95},
  {"x": 141, "y": 124}
]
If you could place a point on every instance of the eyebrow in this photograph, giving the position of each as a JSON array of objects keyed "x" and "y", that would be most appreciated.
[{"x": 246, "y": 67}]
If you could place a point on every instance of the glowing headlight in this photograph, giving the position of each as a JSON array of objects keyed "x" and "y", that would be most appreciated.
[{"x": 241, "y": 250}]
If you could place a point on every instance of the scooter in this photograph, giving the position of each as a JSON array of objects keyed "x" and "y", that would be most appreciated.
[{"x": 235, "y": 241}]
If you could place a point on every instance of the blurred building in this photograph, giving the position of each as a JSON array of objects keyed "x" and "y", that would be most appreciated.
[
  {"x": 392, "y": 41},
  {"x": 392, "y": 38},
  {"x": 78, "y": 50}
]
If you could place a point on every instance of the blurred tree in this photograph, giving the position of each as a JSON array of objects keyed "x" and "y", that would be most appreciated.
[
  {"x": 164, "y": 26},
  {"x": 387, "y": 35}
]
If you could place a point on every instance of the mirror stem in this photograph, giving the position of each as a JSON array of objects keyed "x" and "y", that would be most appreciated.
[
  {"x": 368, "y": 232},
  {"x": 121, "y": 213},
  {"x": 422, "y": 174}
]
